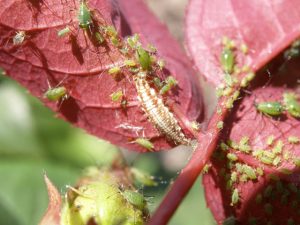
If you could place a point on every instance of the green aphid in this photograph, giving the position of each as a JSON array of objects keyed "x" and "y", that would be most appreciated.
[
  {"x": 143, "y": 178},
  {"x": 244, "y": 48},
  {"x": 63, "y": 32},
  {"x": 227, "y": 60},
  {"x": 170, "y": 82},
  {"x": 116, "y": 96},
  {"x": 278, "y": 147},
  {"x": 145, "y": 143},
  {"x": 276, "y": 161},
  {"x": 227, "y": 91},
  {"x": 293, "y": 51},
  {"x": 246, "y": 80},
  {"x": 269, "y": 154},
  {"x": 232, "y": 157},
  {"x": 99, "y": 37},
  {"x": 244, "y": 178},
  {"x": 279, "y": 186},
  {"x": 220, "y": 125},
  {"x": 133, "y": 41},
  {"x": 233, "y": 176},
  {"x": 258, "y": 153},
  {"x": 114, "y": 70},
  {"x": 110, "y": 31},
  {"x": 285, "y": 171},
  {"x": 268, "y": 191},
  {"x": 228, "y": 184},
  {"x": 244, "y": 145},
  {"x": 270, "y": 108},
  {"x": 293, "y": 187},
  {"x": 291, "y": 104},
  {"x": 151, "y": 48},
  {"x": 265, "y": 160},
  {"x": 56, "y": 94},
  {"x": 268, "y": 208},
  {"x": 250, "y": 172},
  {"x": 260, "y": 171},
  {"x": 157, "y": 82},
  {"x": 143, "y": 58},
  {"x": 228, "y": 80},
  {"x": 229, "y": 221},
  {"x": 291, "y": 221},
  {"x": 129, "y": 63},
  {"x": 258, "y": 198},
  {"x": 235, "y": 197},
  {"x": 206, "y": 168},
  {"x": 84, "y": 16},
  {"x": 252, "y": 221},
  {"x": 233, "y": 144},
  {"x": 224, "y": 147},
  {"x": 161, "y": 64},
  {"x": 297, "y": 162},
  {"x": 286, "y": 155},
  {"x": 293, "y": 140},
  {"x": 135, "y": 198},
  {"x": 274, "y": 177},
  {"x": 270, "y": 140},
  {"x": 115, "y": 41}
]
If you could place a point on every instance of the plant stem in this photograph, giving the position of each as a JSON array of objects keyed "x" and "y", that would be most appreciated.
[{"x": 179, "y": 189}]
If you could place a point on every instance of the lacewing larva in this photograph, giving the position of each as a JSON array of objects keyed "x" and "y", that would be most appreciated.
[{"x": 158, "y": 114}]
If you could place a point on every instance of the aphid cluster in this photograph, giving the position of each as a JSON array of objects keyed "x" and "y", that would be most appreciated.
[
  {"x": 276, "y": 108},
  {"x": 142, "y": 64},
  {"x": 232, "y": 83}
]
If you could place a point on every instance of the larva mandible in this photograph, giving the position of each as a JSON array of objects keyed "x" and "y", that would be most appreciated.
[{"x": 157, "y": 112}]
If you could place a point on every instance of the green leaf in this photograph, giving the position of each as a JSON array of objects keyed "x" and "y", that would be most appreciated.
[{"x": 23, "y": 194}]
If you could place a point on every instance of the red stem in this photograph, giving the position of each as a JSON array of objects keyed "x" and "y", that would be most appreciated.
[{"x": 187, "y": 177}]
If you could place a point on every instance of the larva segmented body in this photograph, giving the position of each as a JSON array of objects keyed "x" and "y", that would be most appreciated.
[{"x": 157, "y": 112}]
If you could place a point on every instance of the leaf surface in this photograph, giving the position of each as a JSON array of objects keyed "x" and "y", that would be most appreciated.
[
  {"x": 266, "y": 27},
  {"x": 279, "y": 164},
  {"x": 74, "y": 61}
]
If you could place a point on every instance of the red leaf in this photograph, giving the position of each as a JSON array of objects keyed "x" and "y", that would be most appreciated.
[
  {"x": 75, "y": 62},
  {"x": 52, "y": 215},
  {"x": 246, "y": 121},
  {"x": 266, "y": 27}
]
